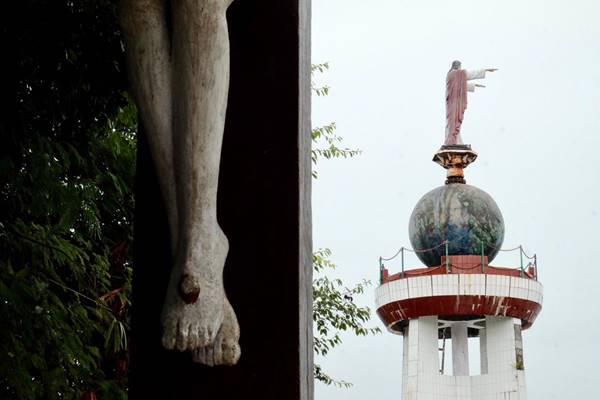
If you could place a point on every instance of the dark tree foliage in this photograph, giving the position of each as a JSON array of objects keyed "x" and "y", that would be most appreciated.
[{"x": 67, "y": 160}]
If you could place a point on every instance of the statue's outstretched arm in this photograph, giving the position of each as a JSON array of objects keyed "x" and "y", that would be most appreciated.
[{"x": 479, "y": 73}]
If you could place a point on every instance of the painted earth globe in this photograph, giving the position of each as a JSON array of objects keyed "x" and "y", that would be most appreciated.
[{"x": 465, "y": 216}]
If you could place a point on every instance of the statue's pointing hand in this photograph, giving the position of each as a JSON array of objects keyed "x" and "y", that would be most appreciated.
[
  {"x": 478, "y": 85},
  {"x": 491, "y": 69}
]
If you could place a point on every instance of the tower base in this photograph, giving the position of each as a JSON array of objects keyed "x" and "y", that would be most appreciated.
[{"x": 502, "y": 375}]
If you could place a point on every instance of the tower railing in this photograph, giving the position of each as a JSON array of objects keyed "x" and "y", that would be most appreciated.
[{"x": 532, "y": 260}]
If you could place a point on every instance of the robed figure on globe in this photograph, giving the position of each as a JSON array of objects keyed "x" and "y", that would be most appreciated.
[{"x": 457, "y": 86}]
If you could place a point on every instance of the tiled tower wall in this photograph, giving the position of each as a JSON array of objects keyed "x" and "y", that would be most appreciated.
[{"x": 501, "y": 349}]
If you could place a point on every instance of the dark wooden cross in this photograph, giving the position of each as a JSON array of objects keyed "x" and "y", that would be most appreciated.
[{"x": 264, "y": 208}]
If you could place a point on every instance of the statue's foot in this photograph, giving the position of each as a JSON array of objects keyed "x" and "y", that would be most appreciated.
[
  {"x": 193, "y": 310},
  {"x": 225, "y": 350}
]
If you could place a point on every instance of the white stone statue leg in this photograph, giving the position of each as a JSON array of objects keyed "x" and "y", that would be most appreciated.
[
  {"x": 194, "y": 307},
  {"x": 148, "y": 48},
  {"x": 182, "y": 104}
]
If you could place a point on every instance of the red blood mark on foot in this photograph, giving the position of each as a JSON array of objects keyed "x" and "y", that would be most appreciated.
[{"x": 189, "y": 289}]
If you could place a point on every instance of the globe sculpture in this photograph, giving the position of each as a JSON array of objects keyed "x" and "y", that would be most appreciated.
[{"x": 463, "y": 215}]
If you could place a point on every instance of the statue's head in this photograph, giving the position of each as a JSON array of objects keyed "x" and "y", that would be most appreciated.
[{"x": 456, "y": 64}]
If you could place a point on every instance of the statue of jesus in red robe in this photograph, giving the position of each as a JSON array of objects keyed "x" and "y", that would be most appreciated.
[{"x": 457, "y": 86}]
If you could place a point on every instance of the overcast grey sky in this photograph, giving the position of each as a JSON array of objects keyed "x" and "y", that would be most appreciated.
[{"x": 536, "y": 127}]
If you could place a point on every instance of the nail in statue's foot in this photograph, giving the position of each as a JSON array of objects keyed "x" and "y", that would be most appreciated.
[
  {"x": 225, "y": 350},
  {"x": 193, "y": 310}
]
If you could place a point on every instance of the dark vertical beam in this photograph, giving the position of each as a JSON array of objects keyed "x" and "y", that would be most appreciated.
[
  {"x": 304, "y": 201},
  {"x": 264, "y": 208}
]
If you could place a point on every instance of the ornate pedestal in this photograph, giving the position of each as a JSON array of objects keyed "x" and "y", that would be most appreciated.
[{"x": 455, "y": 158}]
